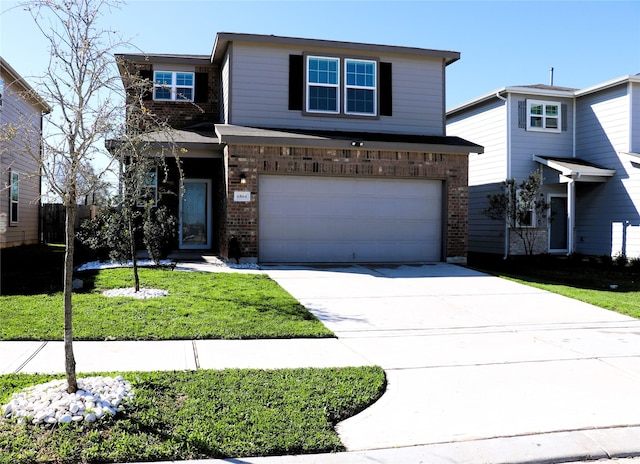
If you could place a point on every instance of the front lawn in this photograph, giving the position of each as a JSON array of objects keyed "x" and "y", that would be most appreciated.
[
  {"x": 200, "y": 305},
  {"x": 600, "y": 282},
  {"x": 202, "y": 414}
]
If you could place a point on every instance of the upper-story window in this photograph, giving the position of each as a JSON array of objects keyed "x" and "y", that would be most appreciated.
[
  {"x": 543, "y": 116},
  {"x": 1, "y": 91},
  {"x": 14, "y": 197},
  {"x": 341, "y": 86},
  {"x": 173, "y": 86}
]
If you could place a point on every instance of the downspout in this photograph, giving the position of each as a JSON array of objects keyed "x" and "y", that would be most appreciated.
[
  {"x": 571, "y": 200},
  {"x": 508, "y": 116}
]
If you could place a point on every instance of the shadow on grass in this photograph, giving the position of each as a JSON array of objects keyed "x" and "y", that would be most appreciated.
[{"x": 577, "y": 272}]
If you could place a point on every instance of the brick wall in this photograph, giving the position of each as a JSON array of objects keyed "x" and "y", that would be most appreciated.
[
  {"x": 184, "y": 114},
  {"x": 242, "y": 218},
  {"x": 516, "y": 245}
]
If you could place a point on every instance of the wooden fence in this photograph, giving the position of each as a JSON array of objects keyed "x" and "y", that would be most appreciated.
[{"x": 53, "y": 218}]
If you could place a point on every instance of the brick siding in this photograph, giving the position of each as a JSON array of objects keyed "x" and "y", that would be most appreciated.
[{"x": 253, "y": 160}]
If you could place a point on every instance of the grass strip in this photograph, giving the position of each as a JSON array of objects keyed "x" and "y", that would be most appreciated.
[
  {"x": 200, "y": 305},
  {"x": 202, "y": 414}
]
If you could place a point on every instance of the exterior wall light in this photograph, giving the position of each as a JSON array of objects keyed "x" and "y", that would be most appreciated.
[
  {"x": 355, "y": 143},
  {"x": 243, "y": 178}
]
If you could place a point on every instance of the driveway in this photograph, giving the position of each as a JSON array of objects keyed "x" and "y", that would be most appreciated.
[{"x": 477, "y": 360}]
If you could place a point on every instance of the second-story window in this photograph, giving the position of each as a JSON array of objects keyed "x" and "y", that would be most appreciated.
[
  {"x": 360, "y": 87},
  {"x": 173, "y": 86},
  {"x": 341, "y": 86},
  {"x": 323, "y": 84},
  {"x": 543, "y": 116}
]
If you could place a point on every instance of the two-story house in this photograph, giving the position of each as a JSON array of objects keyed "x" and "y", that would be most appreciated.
[
  {"x": 586, "y": 142},
  {"x": 314, "y": 151},
  {"x": 21, "y": 112}
]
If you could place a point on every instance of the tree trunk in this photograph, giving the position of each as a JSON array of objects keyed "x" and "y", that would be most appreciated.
[
  {"x": 134, "y": 261},
  {"x": 69, "y": 359}
]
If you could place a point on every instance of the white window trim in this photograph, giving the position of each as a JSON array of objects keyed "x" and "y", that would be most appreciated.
[
  {"x": 374, "y": 87},
  {"x": 150, "y": 187},
  {"x": 14, "y": 182},
  {"x": 544, "y": 128},
  {"x": 316, "y": 84},
  {"x": 173, "y": 87}
]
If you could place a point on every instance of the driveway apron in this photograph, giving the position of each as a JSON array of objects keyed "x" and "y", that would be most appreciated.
[{"x": 473, "y": 357}]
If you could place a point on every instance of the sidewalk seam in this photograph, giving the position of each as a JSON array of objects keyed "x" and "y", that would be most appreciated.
[
  {"x": 195, "y": 354},
  {"x": 28, "y": 360}
]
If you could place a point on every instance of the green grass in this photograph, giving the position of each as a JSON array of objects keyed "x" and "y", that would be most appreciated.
[
  {"x": 585, "y": 280},
  {"x": 203, "y": 414},
  {"x": 200, "y": 305}
]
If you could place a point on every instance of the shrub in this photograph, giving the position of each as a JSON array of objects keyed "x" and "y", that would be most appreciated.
[{"x": 160, "y": 229}]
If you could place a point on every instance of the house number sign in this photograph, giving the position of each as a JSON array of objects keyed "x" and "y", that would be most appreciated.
[{"x": 242, "y": 196}]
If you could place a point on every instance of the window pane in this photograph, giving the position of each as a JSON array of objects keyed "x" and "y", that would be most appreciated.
[
  {"x": 163, "y": 78},
  {"x": 323, "y": 99},
  {"x": 161, "y": 93},
  {"x": 184, "y": 79},
  {"x": 551, "y": 123},
  {"x": 323, "y": 71},
  {"x": 551, "y": 110},
  {"x": 360, "y": 101},
  {"x": 536, "y": 109},
  {"x": 184, "y": 94},
  {"x": 536, "y": 121},
  {"x": 361, "y": 73},
  {"x": 14, "y": 212}
]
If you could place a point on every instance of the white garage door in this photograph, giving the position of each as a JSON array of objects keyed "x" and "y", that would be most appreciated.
[{"x": 327, "y": 219}]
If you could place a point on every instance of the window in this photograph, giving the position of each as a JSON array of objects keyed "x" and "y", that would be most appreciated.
[
  {"x": 360, "y": 85},
  {"x": 1, "y": 91},
  {"x": 543, "y": 116},
  {"x": 173, "y": 86},
  {"x": 323, "y": 92},
  {"x": 326, "y": 90},
  {"x": 149, "y": 191},
  {"x": 14, "y": 193}
]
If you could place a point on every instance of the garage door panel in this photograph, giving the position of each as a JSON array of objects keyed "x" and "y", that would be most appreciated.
[{"x": 307, "y": 219}]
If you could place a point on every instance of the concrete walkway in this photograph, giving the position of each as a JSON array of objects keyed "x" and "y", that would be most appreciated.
[{"x": 480, "y": 370}]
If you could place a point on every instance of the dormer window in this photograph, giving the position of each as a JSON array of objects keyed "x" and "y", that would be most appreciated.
[
  {"x": 543, "y": 116},
  {"x": 341, "y": 86},
  {"x": 173, "y": 86}
]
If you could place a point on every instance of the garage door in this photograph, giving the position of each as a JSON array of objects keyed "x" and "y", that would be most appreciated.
[{"x": 326, "y": 219}]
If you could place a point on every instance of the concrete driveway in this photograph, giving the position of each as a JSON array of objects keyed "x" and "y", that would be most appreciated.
[{"x": 476, "y": 363}]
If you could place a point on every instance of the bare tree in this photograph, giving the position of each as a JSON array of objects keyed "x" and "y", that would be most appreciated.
[
  {"x": 85, "y": 92},
  {"x": 522, "y": 206}
]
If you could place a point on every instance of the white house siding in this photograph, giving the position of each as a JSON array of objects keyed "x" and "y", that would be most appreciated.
[
  {"x": 607, "y": 214},
  {"x": 635, "y": 117},
  {"x": 14, "y": 156},
  {"x": 417, "y": 104},
  {"x": 485, "y": 126}
]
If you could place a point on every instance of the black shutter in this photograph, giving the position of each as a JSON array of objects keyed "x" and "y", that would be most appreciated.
[
  {"x": 296, "y": 81},
  {"x": 202, "y": 88},
  {"x": 522, "y": 114},
  {"x": 148, "y": 75},
  {"x": 386, "y": 90},
  {"x": 563, "y": 115}
]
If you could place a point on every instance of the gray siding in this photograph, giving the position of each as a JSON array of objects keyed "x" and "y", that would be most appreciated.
[
  {"x": 607, "y": 215},
  {"x": 486, "y": 126},
  {"x": 635, "y": 118},
  {"x": 17, "y": 156},
  {"x": 525, "y": 144},
  {"x": 259, "y": 93}
]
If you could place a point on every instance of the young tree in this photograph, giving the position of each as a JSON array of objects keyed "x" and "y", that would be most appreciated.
[
  {"x": 522, "y": 206},
  {"x": 82, "y": 87}
]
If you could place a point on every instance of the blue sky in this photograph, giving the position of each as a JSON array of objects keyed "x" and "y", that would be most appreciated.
[{"x": 501, "y": 43}]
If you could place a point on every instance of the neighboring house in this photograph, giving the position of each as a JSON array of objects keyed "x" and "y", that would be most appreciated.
[
  {"x": 313, "y": 151},
  {"x": 21, "y": 111},
  {"x": 586, "y": 142}
]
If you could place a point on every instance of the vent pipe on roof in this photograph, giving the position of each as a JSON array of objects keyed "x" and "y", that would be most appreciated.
[{"x": 551, "y": 76}]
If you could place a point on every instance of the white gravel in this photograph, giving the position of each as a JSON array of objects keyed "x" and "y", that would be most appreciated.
[
  {"x": 142, "y": 294},
  {"x": 49, "y": 403}
]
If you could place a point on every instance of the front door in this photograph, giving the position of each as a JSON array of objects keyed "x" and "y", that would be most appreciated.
[
  {"x": 558, "y": 224},
  {"x": 195, "y": 214}
]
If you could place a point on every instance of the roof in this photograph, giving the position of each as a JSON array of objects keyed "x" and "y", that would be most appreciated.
[
  {"x": 552, "y": 91},
  {"x": 224, "y": 38},
  {"x": 345, "y": 140},
  {"x": 576, "y": 168},
  {"x": 199, "y": 60},
  {"x": 17, "y": 80}
]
